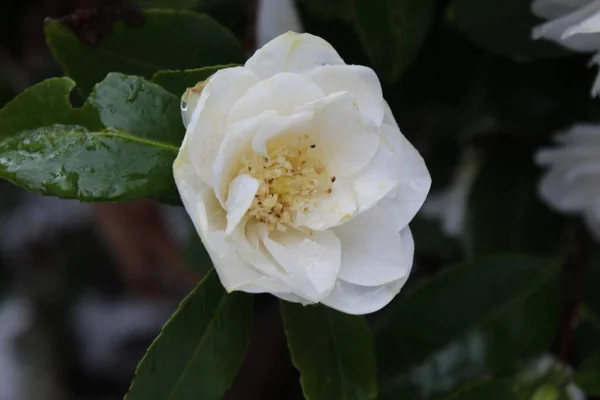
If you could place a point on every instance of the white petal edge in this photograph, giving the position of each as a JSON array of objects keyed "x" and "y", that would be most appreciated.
[
  {"x": 252, "y": 134},
  {"x": 282, "y": 93},
  {"x": 240, "y": 196},
  {"x": 345, "y": 139},
  {"x": 236, "y": 142},
  {"x": 208, "y": 124},
  {"x": 556, "y": 29},
  {"x": 398, "y": 171},
  {"x": 331, "y": 209},
  {"x": 373, "y": 251},
  {"x": 311, "y": 261},
  {"x": 209, "y": 220},
  {"x": 591, "y": 24},
  {"x": 358, "y": 300},
  {"x": 292, "y": 52},
  {"x": 361, "y": 81}
]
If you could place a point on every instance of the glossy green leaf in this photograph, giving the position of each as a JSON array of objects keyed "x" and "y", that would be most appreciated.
[
  {"x": 178, "y": 81},
  {"x": 70, "y": 153},
  {"x": 333, "y": 352},
  {"x": 505, "y": 212},
  {"x": 139, "y": 107},
  {"x": 140, "y": 44},
  {"x": 483, "y": 317},
  {"x": 45, "y": 104},
  {"x": 502, "y": 27},
  {"x": 69, "y": 161},
  {"x": 393, "y": 31},
  {"x": 487, "y": 390},
  {"x": 588, "y": 375},
  {"x": 200, "y": 349}
]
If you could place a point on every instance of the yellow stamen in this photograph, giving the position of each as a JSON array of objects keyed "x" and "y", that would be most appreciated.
[{"x": 291, "y": 177}]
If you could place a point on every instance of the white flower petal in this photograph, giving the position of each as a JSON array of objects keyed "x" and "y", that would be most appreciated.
[
  {"x": 357, "y": 300},
  {"x": 292, "y": 298},
  {"x": 274, "y": 18},
  {"x": 251, "y": 249},
  {"x": 568, "y": 194},
  {"x": 236, "y": 142},
  {"x": 189, "y": 103},
  {"x": 590, "y": 24},
  {"x": 292, "y": 52},
  {"x": 209, "y": 219},
  {"x": 373, "y": 251},
  {"x": 345, "y": 138},
  {"x": 282, "y": 93},
  {"x": 209, "y": 120},
  {"x": 280, "y": 129},
  {"x": 396, "y": 169},
  {"x": 550, "y": 9},
  {"x": 388, "y": 116},
  {"x": 331, "y": 209},
  {"x": 361, "y": 81},
  {"x": 240, "y": 196},
  {"x": 311, "y": 261},
  {"x": 596, "y": 86},
  {"x": 558, "y": 29},
  {"x": 588, "y": 134}
]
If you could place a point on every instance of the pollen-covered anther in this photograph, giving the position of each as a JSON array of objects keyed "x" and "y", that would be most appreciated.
[{"x": 291, "y": 179}]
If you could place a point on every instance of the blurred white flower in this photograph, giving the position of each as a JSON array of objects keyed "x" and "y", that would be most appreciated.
[
  {"x": 15, "y": 318},
  {"x": 104, "y": 325},
  {"x": 572, "y": 183},
  {"x": 544, "y": 366},
  {"x": 274, "y": 18},
  {"x": 450, "y": 204},
  {"x": 574, "y": 24},
  {"x": 298, "y": 179}
]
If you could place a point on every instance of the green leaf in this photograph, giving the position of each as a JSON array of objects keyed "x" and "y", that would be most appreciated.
[
  {"x": 502, "y": 27},
  {"x": 45, "y": 104},
  {"x": 177, "y": 82},
  {"x": 69, "y": 161},
  {"x": 200, "y": 349},
  {"x": 139, "y": 107},
  {"x": 488, "y": 316},
  {"x": 487, "y": 390},
  {"x": 69, "y": 153},
  {"x": 140, "y": 44},
  {"x": 505, "y": 212},
  {"x": 393, "y": 31},
  {"x": 588, "y": 375},
  {"x": 333, "y": 352}
]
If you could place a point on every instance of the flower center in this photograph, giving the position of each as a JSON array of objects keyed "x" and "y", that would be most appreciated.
[{"x": 291, "y": 177}]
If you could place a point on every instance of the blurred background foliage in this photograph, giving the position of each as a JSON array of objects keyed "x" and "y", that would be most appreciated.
[{"x": 85, "y": 288}]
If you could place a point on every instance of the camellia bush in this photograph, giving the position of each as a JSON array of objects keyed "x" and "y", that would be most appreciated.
[{"x": 417, "y": 182}]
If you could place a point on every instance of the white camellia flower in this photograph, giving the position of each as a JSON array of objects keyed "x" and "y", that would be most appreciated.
[
  {"x": 572, "y": 183},
  {"x": 298, "y": 179},
  {"x": 574, "y": 24}
]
